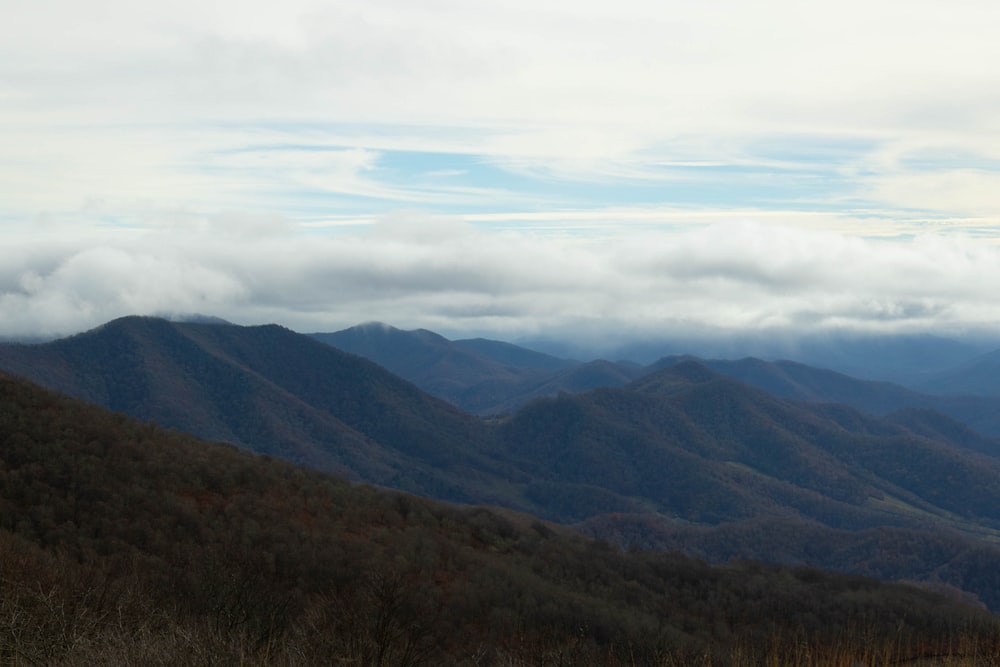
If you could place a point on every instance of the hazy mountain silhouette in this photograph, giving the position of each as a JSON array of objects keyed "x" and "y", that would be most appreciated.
[
  {"x": 906, "y": 359},
  {"x": 480, "y": 376},
  {"x": 980, "y": 376},
  {"x": 489, "y": 377},
  {"x": 789, "y": 379}
]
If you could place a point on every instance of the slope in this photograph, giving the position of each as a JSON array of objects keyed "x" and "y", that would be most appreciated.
[
  {"x": 273, "y": 391},
  {"x": 684, "y": 443},
  {"x": 481, "y": 376},
  {"x": 788, "y": 379},
  {"x": 122, "y": 543},
  {"x": 692, "y": 461},
  {"x": 690, "y": 443}
]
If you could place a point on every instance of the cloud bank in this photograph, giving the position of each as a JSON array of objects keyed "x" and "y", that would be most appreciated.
[{"x": 449, "y": 276}]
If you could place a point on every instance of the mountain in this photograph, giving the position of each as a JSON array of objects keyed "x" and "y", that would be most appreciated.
[
  {"x": 492, "y": 378},
  {"x": 577, "y": 378},
  {"x": 789, "y": 379},
  {"x": 460, "y": 375},
  {"x": 681, "y": 445},
  {"x": 906, "y": 359},
  {"x": 898, "y": 358},
  {"x": 684, "y": 441},
  {"x": 480, "y": 376},
  {"x": 508, "y": 354},
  {"x": 273, "y": 391},
  {"x": 685, "y": 453},
  {"x": 690, "y": 443},
  {"x": 980, "y": 376},
  {"x": 124, "y": 543}
]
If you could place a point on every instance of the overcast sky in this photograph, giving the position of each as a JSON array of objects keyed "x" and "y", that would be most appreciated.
[{"x": 504, "y": 168}]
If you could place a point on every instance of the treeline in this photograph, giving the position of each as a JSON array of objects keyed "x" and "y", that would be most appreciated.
[{"x": 122, "y": 543}]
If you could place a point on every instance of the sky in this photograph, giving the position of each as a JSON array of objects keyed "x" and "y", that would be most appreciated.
[{"x": 589, "y": 169}]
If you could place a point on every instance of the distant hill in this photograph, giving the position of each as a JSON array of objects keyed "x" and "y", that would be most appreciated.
[
  {"x": 906, "y": 359},
  {"x": 481, "y": 376},
  {"x": 789, "y": 379},
  {"x": 515, "y": 356},
  {"x": 692, "y": 444},
  {"x": 123, "y": 543},
  {"x": 491, "y": 378},
  {"x": 689, "y": 460},
  {"x": 980, "y": 376}
]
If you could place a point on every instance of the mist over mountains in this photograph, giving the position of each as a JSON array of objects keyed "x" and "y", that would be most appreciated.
[{"x": 903, "y": 358}]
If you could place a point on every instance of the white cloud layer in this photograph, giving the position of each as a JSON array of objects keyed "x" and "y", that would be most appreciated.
[
  {"x": 451, "y": 277},
  {"x": 501, "y": 167}
]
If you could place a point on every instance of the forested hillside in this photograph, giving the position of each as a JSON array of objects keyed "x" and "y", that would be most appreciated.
[
  {"x": 122, "y": 543},
  {"x": 271, "y": 390},
  {"x": 689, "y": 458}
]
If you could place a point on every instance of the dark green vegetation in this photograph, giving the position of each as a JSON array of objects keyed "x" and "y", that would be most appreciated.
[
  {"x": 697, "y": 460},
  {"x": 122, "y": 543}
]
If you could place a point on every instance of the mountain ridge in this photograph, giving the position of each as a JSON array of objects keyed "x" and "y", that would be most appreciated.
[
  {"x": 685, "y": 442},
  {"x": 491, "y": 390},
  {"x": 124, "y": 543},
  {"x": 266, "y": 387}
]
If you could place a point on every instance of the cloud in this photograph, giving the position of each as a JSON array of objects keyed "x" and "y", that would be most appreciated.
[
  {"x": 463, "y": 280},
  {"x": 87, "y": 286},
  {"x": 504, "y": 167}
]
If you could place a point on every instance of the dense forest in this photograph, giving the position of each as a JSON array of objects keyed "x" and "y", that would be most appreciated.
[{"x": 123, "y": 543}]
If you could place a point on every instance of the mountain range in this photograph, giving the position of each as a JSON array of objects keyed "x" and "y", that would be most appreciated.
[
  {"x": 124, "y": 543},
  {"x": 268, "y": 389},
  {"x": 487, "y": 377},
  {"x": 480, "y": 376},
  {"x": 680, "y": 449},
  {"x": 908, "y": 359}
]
